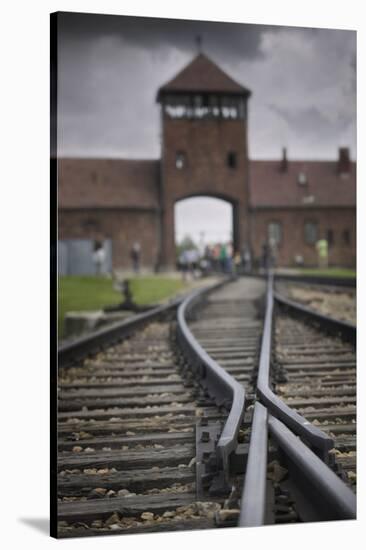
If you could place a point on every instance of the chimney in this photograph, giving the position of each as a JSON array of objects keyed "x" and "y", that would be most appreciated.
[
  {"x": 344, "y": 163},
  {"x": 284, "y": 163}
]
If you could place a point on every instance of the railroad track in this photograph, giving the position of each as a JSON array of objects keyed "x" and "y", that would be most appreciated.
[
  {"x": 316, "y": 376},
  {"x": 336, "y": 301},
  {"x": 163, "y": 420},
  {"x": 303, "y": 356}
]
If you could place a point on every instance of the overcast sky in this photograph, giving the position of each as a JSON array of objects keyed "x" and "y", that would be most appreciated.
[{"x": 303, "y": 84}]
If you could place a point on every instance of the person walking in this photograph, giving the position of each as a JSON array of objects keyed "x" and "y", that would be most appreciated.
[
  {"x": 247, "y": 260},
  {"x": 237, "y": 262},
  {"x": 135, "y": 256},
  {"x": 223, "y": 258},
  {"x": 322, "y": 250},
  {"x": 99, "y": 257}
]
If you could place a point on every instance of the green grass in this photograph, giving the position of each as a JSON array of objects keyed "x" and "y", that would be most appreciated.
[
  {"x": 330, "y": 272},
  {"x": 93, "y": 293}
]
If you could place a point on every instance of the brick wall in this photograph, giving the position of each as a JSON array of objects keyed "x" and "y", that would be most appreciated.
[
  {"x": 293, "y": 237},
  {"x": 124, "y": 227},
  {"x": 206, "y": 144}
]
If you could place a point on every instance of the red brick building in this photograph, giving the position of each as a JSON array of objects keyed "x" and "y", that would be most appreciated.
[{"x": 205, "y": 152}]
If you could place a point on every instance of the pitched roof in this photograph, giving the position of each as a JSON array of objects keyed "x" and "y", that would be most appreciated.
[
  {"x": 107, "y": 183},
  {"x": 203, "y": 75},
  {"x": 269, "y": 187}
]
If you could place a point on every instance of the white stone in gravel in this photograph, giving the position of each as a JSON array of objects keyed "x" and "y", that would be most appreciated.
[
  {"x": 147, "y": 516},
  {"x": 168, "y": 514}
]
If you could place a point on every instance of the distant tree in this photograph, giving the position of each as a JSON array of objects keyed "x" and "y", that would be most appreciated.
[{"x": 187, "y": 243}]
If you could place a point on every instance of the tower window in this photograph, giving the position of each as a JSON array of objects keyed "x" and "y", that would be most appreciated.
[
  {"x": 346, "y": 236},
  {"x": 311, "y": 232},
  {"x": 231, "y": 159},
  {"x": 180, "y": 160}
]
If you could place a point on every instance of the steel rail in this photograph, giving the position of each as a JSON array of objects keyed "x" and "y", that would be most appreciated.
[
  {"x": 338, "y": 500},
  {"x": 336, "y": 326},
  {"x": 99, "y": 339},
  {"x": 332, "y": 496},
  {"x": 276, "y": 406},
  {"x": 219, "y": 384},
  {"x": 253, "y": 502},
  {"x": 106, "y": 336}
]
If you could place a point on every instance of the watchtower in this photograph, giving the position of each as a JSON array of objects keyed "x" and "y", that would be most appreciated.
[{"x": 204, "y": 146}]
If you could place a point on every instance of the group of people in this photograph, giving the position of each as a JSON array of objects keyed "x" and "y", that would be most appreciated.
[
  {"x": 216, "y": 258},
  {"x": 219, "y": 257}
]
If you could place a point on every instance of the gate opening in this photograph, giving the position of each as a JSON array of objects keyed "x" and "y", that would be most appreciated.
[{"x": 204, "y": 226}]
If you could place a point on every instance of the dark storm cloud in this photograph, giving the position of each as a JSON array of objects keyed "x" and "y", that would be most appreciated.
[
  {"x": 148, "y": 33},
  {"x": 110, "y": 68}
]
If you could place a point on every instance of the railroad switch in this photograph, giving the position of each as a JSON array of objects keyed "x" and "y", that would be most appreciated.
[{"x": 207, "y": 434}]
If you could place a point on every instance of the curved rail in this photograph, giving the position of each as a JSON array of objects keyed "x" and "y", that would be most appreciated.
[
  {"x": 276, "y": 406},
  {"x": 93, "y": 342},
  {"x": 334, "y": 499},
  {"x": 220, "y": 384},
  {"x": 253, "y": 502}
]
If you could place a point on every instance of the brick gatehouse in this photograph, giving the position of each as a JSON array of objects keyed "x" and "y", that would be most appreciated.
[{"x": 205, "y": 152}]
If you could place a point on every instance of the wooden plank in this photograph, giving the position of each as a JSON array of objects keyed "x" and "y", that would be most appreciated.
[
  {"x": 219, "y": 348},
  {"x": 171, "y": 386},
  {"x": 127, "y": 460},
  {"x": 133, "y": 413},
  {"x": 143, "y": 425},
  {"x": 313, "y": 392},
  {"x": 318, "y": 352},
  {"x": 134, "y": 481},
  {"x": 315, "y": 367},
  {"x": 114, "y": 391},
  {"x": 138, "y": 374},
  {"x": 150, "y": 380},
  {"x": 130, "y": 440},
  {"x": 133, "y": 506},
  {"x": 324, "y": 402},
  {"x": 78, "y": 404},
  {"x": 126, "y": 367},
  {"x": 321, "y": 376},
  {"x": 148, "y": 363},
  {"x": 316, "y": 362},
  {"x": 176, "y": 524},
  {"x": 249, "y": 361}
]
